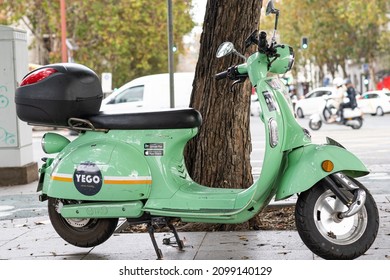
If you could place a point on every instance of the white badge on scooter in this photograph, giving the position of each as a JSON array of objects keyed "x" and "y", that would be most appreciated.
[{"x": 87, "y": 178}]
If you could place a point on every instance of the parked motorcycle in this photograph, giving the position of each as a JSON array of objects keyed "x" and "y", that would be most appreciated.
[
  {"x": 328, "y": 115},
  {"x": 132, "y": 166}
]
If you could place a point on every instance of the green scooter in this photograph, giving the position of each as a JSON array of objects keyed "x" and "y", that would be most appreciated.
[{"x": 132, "y": 166}]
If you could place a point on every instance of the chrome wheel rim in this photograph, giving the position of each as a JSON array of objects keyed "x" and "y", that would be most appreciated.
[
  {"x": 73, "y": 222},
  {"x": 341, "y": 231}
]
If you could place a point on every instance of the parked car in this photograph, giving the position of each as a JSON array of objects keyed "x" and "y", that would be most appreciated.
[
  {"x": 150, "y": 93},
  {"x": 375, "y": 102},
  {"x": 311, "y": 102}
]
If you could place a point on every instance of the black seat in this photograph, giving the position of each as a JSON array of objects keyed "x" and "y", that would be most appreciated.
[{"x": 183, "y": 118}]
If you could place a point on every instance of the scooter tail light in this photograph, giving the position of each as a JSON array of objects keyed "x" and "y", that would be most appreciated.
[{"x": 38, "y": 75}]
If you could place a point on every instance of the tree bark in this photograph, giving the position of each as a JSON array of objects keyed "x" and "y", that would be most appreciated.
[{"x": 219, "y": 156}]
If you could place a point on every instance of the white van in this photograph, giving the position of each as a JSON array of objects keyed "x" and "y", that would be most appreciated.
[{"x": 150, "y": 93}]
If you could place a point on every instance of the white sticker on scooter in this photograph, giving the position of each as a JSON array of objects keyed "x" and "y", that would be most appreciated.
[
  {"x": 154, "y": 149},
  {"x": 87, "y": 178},
  {"x": 269, "y": 100}
]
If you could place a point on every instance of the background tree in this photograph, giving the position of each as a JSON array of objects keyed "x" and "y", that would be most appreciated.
[
  {"x": 219, "y": 156},
  {"x": 369, "y": 30},
  {"x": 125, "y": 37},
  {"x": 337, "y": 30}
]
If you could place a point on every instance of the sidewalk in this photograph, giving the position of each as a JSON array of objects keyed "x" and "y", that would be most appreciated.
[{"x": 35, "y": 239}]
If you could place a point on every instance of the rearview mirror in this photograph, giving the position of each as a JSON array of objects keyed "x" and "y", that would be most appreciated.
[
  {"x": 225, "y": 49},
  {"x": 228, "y": 48},
  {"x": 271, "y": 8}
]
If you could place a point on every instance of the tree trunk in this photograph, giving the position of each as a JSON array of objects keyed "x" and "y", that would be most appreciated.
[
  {"x": 371, "y": 71},
  {"x": 219, "y": 156}
]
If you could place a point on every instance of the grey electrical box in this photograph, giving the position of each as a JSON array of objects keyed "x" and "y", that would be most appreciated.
[{"x": 16, "y": 150}]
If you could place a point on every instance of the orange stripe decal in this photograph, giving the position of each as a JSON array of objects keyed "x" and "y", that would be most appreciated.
[
  {"x": 62, "y": 179},
  {"x": 113, "y": 180},
  {"x": 130, "y": 182}
]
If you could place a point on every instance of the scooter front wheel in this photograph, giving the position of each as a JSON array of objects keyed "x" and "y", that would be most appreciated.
[
  {"x": 328, "y": 235},
  {"x": 79, "y": 232},
  {"x": 315, "y": 125}
]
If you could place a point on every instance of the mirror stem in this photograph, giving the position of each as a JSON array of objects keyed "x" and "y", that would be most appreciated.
[
  {"x": 276, "y": 26},
  {"x": 240, "y": 55}
]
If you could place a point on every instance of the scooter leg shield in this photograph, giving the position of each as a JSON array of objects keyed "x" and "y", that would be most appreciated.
[{"x": 304, "y": 167}]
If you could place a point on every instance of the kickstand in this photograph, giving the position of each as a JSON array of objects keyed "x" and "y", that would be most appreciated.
[
  {"x": 151, "y": 234},
  {"x": 166, "y": 241},
  {"x": 179, "y": 242}
]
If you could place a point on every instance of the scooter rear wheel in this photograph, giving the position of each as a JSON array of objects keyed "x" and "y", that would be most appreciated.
[
  {"x": 325, "y": 233},
  {"x": 359, "y": 123},
  {"x": 80, "y": 232}
]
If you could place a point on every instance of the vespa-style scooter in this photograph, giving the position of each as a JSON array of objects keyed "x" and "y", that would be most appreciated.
[
  {"x": 132, "y": 166},
  {"x": 352, "y": 117}
]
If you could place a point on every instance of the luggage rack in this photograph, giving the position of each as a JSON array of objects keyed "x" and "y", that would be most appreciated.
[
  {"x": 83, "y": 125},
  {"x": 76, "y": 124}
]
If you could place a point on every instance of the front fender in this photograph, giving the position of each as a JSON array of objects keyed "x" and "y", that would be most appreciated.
[{"x": 304, "y": 169}]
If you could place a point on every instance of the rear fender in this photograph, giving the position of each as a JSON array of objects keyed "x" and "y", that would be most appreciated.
[
  {"x": 304, "y": 167},
  {"x": 99, "y": 171},
  {"x": 352, "y": 113}
]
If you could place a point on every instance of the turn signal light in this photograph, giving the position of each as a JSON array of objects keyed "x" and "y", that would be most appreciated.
[
  {"x": 327, "y": 165},
  {"x": 38, "y": 75}
]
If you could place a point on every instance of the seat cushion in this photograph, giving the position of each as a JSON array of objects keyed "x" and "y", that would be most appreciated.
[{"x": 169, "y": 119}]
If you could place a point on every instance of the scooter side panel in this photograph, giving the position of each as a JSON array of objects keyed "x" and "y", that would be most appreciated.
[
  {"x": 304, "y": 168},
  {"x": 100, "y": 171},
  {"x": 195, "y": 203}
]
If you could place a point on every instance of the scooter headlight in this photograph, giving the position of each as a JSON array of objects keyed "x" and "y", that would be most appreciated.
[
  {"x": 53, "y": 143},
  {"x": 284, "y": 61}
]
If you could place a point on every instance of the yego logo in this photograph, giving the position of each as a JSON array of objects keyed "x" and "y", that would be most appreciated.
[{"x": 88, "y": 178}]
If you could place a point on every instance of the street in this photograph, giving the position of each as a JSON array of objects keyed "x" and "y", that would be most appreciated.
[{"x": 371, "y": 144}]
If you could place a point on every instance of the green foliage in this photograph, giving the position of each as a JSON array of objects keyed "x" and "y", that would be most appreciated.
[
  {"x": 337, "y": 30},
  {"x": 125, "y": 37}
]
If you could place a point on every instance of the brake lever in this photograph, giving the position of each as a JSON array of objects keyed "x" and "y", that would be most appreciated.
[
  {"x": 236, "y": 82},
  {"x": 252, "y": 39}
]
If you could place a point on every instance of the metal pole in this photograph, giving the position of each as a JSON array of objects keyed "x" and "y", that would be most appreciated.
[
  {"x": 64, "y": 55},
  {"x": 170, "y": 55}
]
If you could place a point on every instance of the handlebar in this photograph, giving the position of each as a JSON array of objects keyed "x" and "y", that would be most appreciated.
[
  {"x": 232, "y": 74},
  {"x": 221, "y": 75},
  {"x": 263, "y": 47}
]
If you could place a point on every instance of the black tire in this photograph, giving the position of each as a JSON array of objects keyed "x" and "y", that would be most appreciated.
[
  {"x": 330, "y": 237},
  {"x": 80, "y": 232},
  {"x": 360, "y": 123},
  {"x": 379, "y": 111},
  {"x": 327, "y": 114},
  {"x": 300, "y": 113},
  {"x": 315, "y": 125}
]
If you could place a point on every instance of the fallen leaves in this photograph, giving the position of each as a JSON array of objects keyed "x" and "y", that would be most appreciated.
[{"x": 274, "y": 218}]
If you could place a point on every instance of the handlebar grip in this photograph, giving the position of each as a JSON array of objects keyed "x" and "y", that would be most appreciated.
[
  {"x": 221, "y": 75},
  {"x": 262, "y": 41}
]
